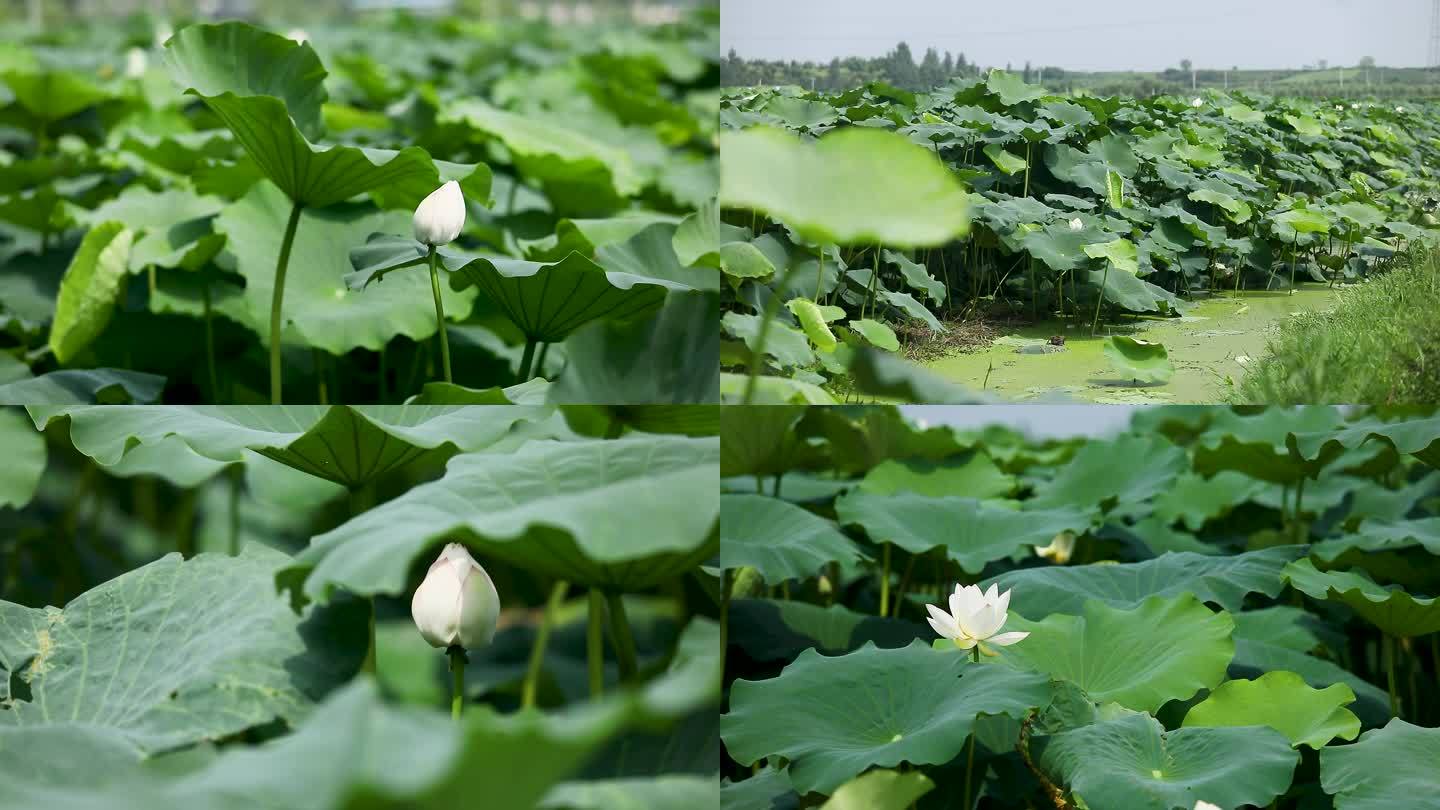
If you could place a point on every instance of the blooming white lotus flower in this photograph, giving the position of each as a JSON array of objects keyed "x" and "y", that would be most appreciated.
[
  {"x": 1340, "y": 107},
  {"x": 1400, "y": 109},
  {"x": 457, "y": 604},
  {"x": 1076, "y": 224},
  {"x": 1060, "y": 548},
  {"x": 440, "y": 216},
  {"x": 1355, "y": 106},
  {"x": 975, "y": 616},
  {"x": 1204, "y": 805},
  {"x": 1197, "y": 103},
  {"x": 135, "y": 63}
]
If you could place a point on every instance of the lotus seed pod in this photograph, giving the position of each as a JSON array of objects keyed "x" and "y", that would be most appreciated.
[{"x": 456, "y": 604}]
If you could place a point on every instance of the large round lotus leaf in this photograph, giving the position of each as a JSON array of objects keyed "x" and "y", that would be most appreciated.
[
  {"x": 760, "y": 440},
  {"x": 82, "y": 387},
  {"x": 1388, "y": 768},
  {"x": 1382, "y": 535},
  {"x": 1140, "y": 360},
  {"x": 674, "y": 792},
  {"x": 173, "y": 653},
  {"x": 1394, "y": 611},
  {"x": 769, "y": 789},
  {"x": 350, "y": 445},
  {"x": 1277, "y": 639},
  {"x": 580, "y": 174},
  {"x": 1219, "y": 579},
  {"x": 1257, "y": 445},
  {"x": 353, "y": 745},
  {"x": 1165, "y": 649},
  {"x": 1133, "y": 763},
  {"x": 776, "y": 630},
  {"x": 853, "y": 186},
  {"x": 1284, "y": 702},
  {"x": 1012, "y": 89},
  {"x": 833, "y": 718},
  {"x": 650, "y": 253},
  {"x": 973, "y": 474},
  {"x": 318, "y": 303},
  {"x": 1195, "y": 500},
  {"x": 621, "y": 514},
  {"x": 24, "y": 459},
  {"x": 268, "y": 90},
  {"x": 778, "y": 539},
  {"x": 972, "y": 532},
  {"x": 669, "y": 357},
  {"x": 1128, "y": 470},
  {"x": 880, "y": 790},
  {"x": 1417, "y": 435}
]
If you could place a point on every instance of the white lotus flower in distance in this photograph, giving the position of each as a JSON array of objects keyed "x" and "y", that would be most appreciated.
[
  {"x": 1339, "y": 106},
  {"x": 975, "y": 618},
  {"x": 456, "y": 604},
  {"x": 136, "y": 61},
  {"x": 297, "y": 34},
  {"x": 440, "y": 216},
  {"x": 1355, "y": 106},
  {"x": 1400, "y": 109},
  {"x": 1060, "y": 548},
  {"x": 1197, "y": 103},
  {"x": 1076, "y": 224}
]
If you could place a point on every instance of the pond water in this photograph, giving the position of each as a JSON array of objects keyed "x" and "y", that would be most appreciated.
[{"x": 1206, "y": 346}]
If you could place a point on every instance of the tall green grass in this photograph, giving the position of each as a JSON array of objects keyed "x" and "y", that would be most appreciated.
[{"x": 1381, "y": 344}]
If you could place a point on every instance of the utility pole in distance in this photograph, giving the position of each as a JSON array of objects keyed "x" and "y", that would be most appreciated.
[{"x": 1433, "y": 60}]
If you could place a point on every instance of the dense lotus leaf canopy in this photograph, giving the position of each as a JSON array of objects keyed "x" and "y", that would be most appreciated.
[
  {"x": 780, "y": 540},
  {"x": 1394, "y": 611},
  {"x": 1388, "y": 767}
]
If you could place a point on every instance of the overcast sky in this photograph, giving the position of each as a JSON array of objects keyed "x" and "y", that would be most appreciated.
[
  {"x": 1087, "y": 34},
  {"x": 1040, "y": 421}
]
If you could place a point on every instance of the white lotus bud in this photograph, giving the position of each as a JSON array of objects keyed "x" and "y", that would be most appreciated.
[
  {"x": 297, "y": 34},
  {"x": 1399, "y": 109},
  {"x": 457, "y": 604},
  {"x": 1355, "y": 106},
  {"x": 1076, "y": 224},
  {"x": 439, "y": 217},
  {"x": 1197, "y": 103},
  {"x": 135, "y": 63}
]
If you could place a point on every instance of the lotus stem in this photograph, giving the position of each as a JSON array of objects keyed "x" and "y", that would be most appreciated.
[
  {"x": 277, "y": 301},
  {"x": 457, "y": 680},
  {"x": 757, "y": 354},
  {"x": 527, "y": 359},
  {"x": 620, "y": 634},
  {"x": 885, "y": 580},
  {"x": 1299, "y": 520},
  {"x": 1104, "y": 279},
  {"x": 210, "y": 345},
  {"x": 1388, "y": 645},
  {"x": 594, "y": 643},
  {"x": 819, "y": 270},
  {"x": 439, "y": 313},
  {"x": 970, "y": 747},
  {"x": 727, "y": 581},
  {"x": 1028, "y": 147},
  {"x": 237, "y": 482},
  {"x": 542, "y": 637},
  {"x": 540, "y": 359}
]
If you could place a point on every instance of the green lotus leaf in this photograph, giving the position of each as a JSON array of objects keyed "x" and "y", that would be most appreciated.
[
  {"x": 1004, "y": 160},
  {"x": 1305, "y": 125},
  {"x": 173, "y": 653},
  {"x": 972, "y": 532},
  {"x": 1282, "y": 701},
  {"x": 1125, "y": 471},
  {"x": 83, "y": 387},
  {"x": 1133, "y": 762},
  {"x": 812, "y": 320},
  {"x": 1244, "y": 114},
  {"x": 1394, "y": 611},
  {"x": 1012, "y": 89},
  {"x": 50, "y": 95},
  {"x": 1256, "y": 445},
  {"x": 760, "y": 441},
  {"x": 620, "y": 514},
  {"x": 912, "y": 308},
  {"x": 669, "y": 357},
  {"x": 580, "y": 174},
  {"x": 172, "y": 227},
  {"x": 778, "y": 630},
  {"x": 697, "y": 237},
  {"x": 1417, "y": 435},
  {"x": 1119, "y": 252},
  {"x": 1057, "y": 246},
  {"x": 880, "y": 790},
  {"x": 778, "y": 539},
  {"x": 975, "y": 474},
  {"x": 877, "y": 333},
  {"x": 853, "y": 186},
  {"x": 530, "y": 392},
  {"x": 1162, "y": 650},
  {"x": 744, "y": 260},
  {"x": 677, "y": 792},
  {"x": 1220, "y": 579},
  {"x": 1139, "y": 360},
  {"x": 1303, "y": 220},
  {"x": 1373, "y": 535},
  {"x": 89, "y": 289},
  {"x": 763, "y": 790},
  {"x": 1277, "y": 639},
  {"x": 353, "y": 745},
  {"x": 348, "y": 445},
  {"x": 1195, "y": 500},
  {"x": 786, "y": 346},
  {"x": 318, "y": 304},
  {"x": 881, "y": 374},
  {"x": 650, "y": 253},
  {"x": 917, "y": 277},
  {"x": 25, "y": 454},
  {"x": 1389, "y": 767},
  {"x": 268, "y": 90},
  {"x": 834, "y": 718}
]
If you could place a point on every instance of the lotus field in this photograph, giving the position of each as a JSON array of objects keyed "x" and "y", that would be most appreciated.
[
  {"x": 1123, "y": 242},
  {"x": 227, "y": 214},
  {"x": 1214, "y": 609},
  {"x": 336, "y": 607}
]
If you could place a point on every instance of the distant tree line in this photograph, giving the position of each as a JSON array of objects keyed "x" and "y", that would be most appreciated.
[{"x": 897, "y": 67}]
